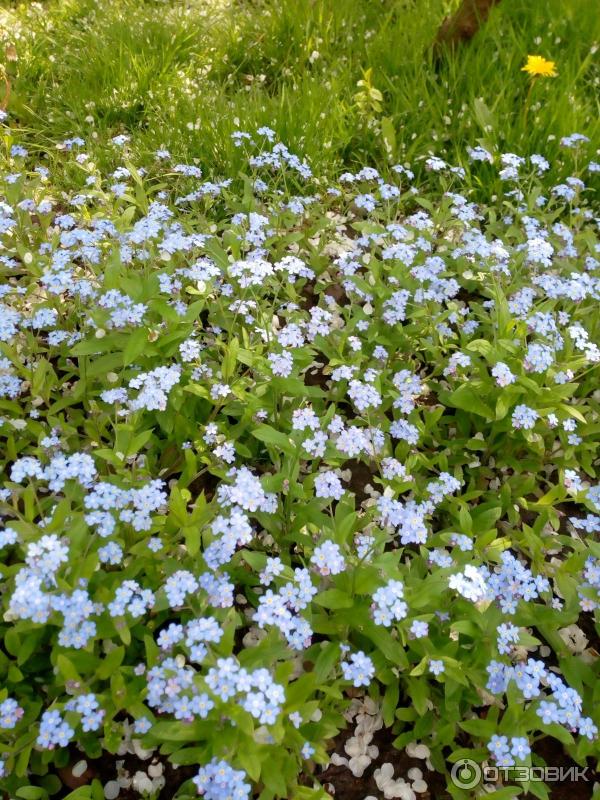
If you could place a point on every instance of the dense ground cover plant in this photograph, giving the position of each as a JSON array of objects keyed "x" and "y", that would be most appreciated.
[{"x": 271, "y": 443}]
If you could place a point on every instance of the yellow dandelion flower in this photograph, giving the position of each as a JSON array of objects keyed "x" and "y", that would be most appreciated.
[{"x": 538, "y": 66}]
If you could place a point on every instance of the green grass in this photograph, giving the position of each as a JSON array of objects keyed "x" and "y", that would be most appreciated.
[{"x": 185, "y": 74}]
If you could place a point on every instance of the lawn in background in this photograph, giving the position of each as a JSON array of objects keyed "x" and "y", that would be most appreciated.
[{"x": 184, "y": 75}]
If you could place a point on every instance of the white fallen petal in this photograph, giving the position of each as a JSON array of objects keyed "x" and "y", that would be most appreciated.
[
  {"x": 79, "y": 768},
  {"x": 253, "y": 637},
  {"x": 406, "y": 793},
  {"x": 339, "y": 761},
  {"x": 154, "y": 770},
  {"x": 373, "y": 751},
  {"x": 142, "y": 783},
  {"x": 414, "y": 773},
  {"x": 263, "y": 735},
  {"x": 415, "y": 750},
  {"x": 378, "y": 722},
  {"x": 384, "y": 775},
  {"x": 371, "y": 706},
  {"x": 398, "y": 789},
  {"x": 419, "y": 786},
  {"x": 140, "y": 751},
  {"x": 365, "y": 725},
  {"x": 574, "y": 638},
  {"x": 393, "y": 789},
  {"x": 355, "y": 746},
  {"x": 358, "y": 765},
  {"x": 364, "y": 736},
  {"x": 111, "y": 790}
]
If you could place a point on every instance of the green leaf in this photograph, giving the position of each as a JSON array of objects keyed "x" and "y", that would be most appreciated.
[
  {"x": 483, "y": 115},
  {"x": 230, "y": 360},
  {"x": 325, "y": 662},
  {"x": 67, "y": 669},
  {"x": 249, "y": 763},
  {"x": 82, "y": 793},
  {"x": 31, "y": 793},
  {"x": 12, "y": 642},
  {"x": 507, "y": 793},
  {"x": 389, "y": 137},
  {"x": 273, "y": 779},
  {"x": 390, "y": 703},
  {"x": 306, "y": 793},
  {"x": 334, "y": 598},
  {"x": 385, "y": 642},
  {"x": 268, "y": 435},
  {"x": 468, "y": 398},
  {"x": 418, "y": 691},
  {"x": 181, "y": 731},
  {"x": 481, "y": 346},
  {"x": 482, "y": 728},
  {"x": 137, "y": 342},
  {"x": 191, "y": 534},
  {"x": 112, "y": 661}
]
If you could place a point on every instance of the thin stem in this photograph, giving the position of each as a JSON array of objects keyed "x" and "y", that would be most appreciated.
[{"x": 528, "y": 100}]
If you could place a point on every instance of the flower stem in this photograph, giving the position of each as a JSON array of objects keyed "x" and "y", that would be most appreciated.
[{"x": 528, "y": 99}]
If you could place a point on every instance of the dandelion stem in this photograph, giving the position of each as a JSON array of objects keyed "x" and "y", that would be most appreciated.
[{"x": 528, "y": 100}]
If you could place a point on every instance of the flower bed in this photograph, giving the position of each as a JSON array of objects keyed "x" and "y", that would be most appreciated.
[{"x": 278, "y": 453}]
